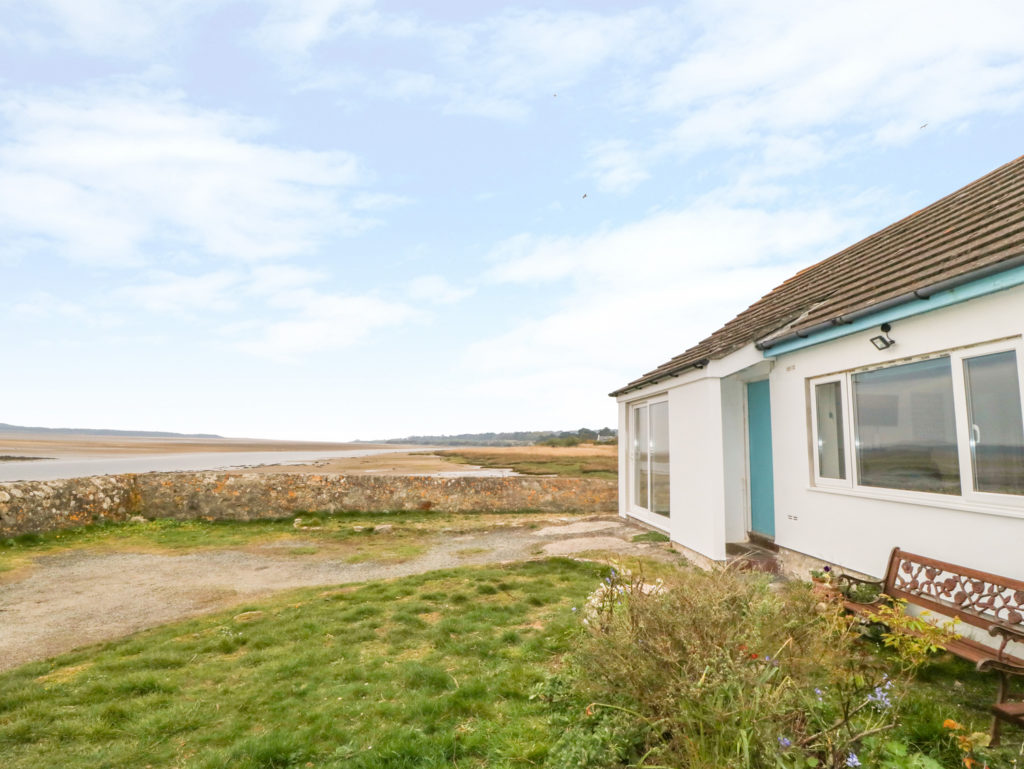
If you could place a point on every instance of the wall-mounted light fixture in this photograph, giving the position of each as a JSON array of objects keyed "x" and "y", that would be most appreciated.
[{"x": 882, "y": 341}]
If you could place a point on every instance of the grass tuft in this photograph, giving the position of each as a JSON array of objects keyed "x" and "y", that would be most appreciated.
[{"x": 651, "y": 536}]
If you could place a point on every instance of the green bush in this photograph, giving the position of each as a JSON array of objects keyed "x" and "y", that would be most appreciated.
[{"x": 723, "y": 669}]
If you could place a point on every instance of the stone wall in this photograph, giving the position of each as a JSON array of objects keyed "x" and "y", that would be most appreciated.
[{"x": 36, "y": 506}]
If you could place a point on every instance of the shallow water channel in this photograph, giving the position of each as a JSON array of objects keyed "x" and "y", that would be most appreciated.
[{"x": 83, "y": 467}]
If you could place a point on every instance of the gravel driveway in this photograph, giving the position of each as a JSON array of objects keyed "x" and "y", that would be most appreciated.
[{"x": 78, "y": 597}]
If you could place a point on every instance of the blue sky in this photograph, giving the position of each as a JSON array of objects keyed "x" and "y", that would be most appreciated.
[{"x": 338, "y": 219}]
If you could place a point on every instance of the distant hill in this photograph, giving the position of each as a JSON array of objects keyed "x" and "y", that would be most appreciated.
[
  {"x": 521, "y": 438},
  {"x": 6, "y": 428}
]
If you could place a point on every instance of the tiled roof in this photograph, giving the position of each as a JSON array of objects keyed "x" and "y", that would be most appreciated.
[{"x": 977, "y": 227}]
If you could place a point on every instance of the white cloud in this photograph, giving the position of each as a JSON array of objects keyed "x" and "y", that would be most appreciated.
[
  {"x": 799, "y": 84},
  {"x": 761, "y": 72},
  {"x": 295, "y": 26},
  {"x": 378, "y": 201},
  {"x": 493, "y": 67},
  {"x": 617, "y": 166},
  {"x": 168, "y": 292},
  {"x": 322, "y": 322},
  {"x": 636, "y": 295},
  {"x": 103, "y": 27},
  {"x": 669, "y": 247},
  {"x": 99, "y": 177},
  {"x": 437, "y": 290},
  {"x": 276, "y": 311},
  {"x": 270, "y": 279}
]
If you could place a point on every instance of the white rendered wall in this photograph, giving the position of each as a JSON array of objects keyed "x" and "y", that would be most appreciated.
[
  {"x": 857, "y": 529},
  {"x": 625, "y": 441},
  {"x": 697, "y": 480},
  {"x": 697, "y": 475},
  {"x": 736, "y": 499}
]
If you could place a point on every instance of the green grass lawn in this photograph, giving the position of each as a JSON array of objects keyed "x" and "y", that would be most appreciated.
[
  {"x": 437, "y": 670},
  {"x": 427, "y": 671}
]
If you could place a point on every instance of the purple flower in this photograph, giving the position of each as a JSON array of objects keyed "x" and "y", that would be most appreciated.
[
  {"x": 880, "y": 698},
  {"x": 784, "y": 742},
  {"x": 827, "y": 568},
  {"x": 852, "y": 760}
]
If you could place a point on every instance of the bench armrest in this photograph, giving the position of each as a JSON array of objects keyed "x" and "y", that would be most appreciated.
[
  {"x": 1002, "y": 666},
  {"x": 1000, "y": 662},
  {"x": 1008, "y": 633}
]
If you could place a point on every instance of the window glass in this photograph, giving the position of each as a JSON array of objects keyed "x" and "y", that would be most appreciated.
[
  {"x": 659, "y": 458},
  {"x": 828, "y": 403},
  {"x": 640, "y": 452},
  {"x": 997, "y": 432},
  {"x": 905, "y": 428}
]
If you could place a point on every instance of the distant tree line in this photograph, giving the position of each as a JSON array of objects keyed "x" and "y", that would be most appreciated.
[{"x": 521, "y": 438}]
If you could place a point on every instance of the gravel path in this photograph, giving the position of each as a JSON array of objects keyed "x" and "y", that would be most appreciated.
[{"x": 79, "y": 597}]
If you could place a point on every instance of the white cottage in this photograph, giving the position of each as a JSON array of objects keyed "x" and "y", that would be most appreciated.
[{"x": 872, "y": 400}]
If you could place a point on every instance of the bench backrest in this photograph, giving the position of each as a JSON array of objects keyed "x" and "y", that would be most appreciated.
[{"x": 977, "y": 597}]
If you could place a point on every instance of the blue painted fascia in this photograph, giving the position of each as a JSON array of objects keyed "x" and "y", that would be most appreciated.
[{"x": 973, "y": 290}]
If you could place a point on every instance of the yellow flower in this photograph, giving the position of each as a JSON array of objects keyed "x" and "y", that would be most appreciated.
[{"x": 949, "y": 723}]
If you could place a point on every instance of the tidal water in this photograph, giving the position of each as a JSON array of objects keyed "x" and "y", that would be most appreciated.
[{"x": 82, "y": 467}]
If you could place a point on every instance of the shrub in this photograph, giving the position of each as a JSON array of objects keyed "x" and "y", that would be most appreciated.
[{"x": 722, "y": 669}]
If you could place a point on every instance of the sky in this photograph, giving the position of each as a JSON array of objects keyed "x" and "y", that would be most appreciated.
[{"x": 349, "y": 219}]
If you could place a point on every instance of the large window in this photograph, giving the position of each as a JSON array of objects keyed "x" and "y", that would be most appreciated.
[
  {"x": 650, "y": 466},
  {"x": 951, "y": 424},
  {"x": 906, "y": 428}
]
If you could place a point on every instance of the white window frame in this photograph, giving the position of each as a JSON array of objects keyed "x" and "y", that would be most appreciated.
[
  {"x": 968, "y": 499},
  {"x": 846, "y": 414},
  {"x": 963, "y": 426},
  {"x": 645, "y": 514}
]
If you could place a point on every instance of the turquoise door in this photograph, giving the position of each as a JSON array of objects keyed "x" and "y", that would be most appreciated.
[{"x": 759, "y": 441}]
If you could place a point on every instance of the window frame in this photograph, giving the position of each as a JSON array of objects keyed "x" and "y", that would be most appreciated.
[
  {"x": 969, "y": 498},
  {"x": 645, "y": 513},
  {"x": 963, "y": 424},
  {"x": 846, "y": 412}
]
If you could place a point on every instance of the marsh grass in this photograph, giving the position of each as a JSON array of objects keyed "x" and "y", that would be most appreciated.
[
  {"x": 556, "y": 461},
  {"x": 426, "y": 671}
]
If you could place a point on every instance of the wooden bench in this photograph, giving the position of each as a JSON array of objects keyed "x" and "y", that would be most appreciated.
[{"x": 986, "y": 601}]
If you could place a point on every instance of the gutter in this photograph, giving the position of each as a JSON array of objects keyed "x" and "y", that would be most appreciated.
[
  {"x": 801, "y": 337},
  {"x": 670, "y": 374}
]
